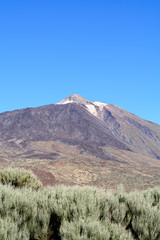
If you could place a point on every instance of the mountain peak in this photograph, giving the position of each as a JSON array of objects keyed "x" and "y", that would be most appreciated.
[
  {"x": 77, "y": 98},
  {"x": 73, "y": 98},
  {"x": 93, "y": 107}
]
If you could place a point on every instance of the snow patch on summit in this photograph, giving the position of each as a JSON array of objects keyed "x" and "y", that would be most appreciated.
[
  {"x": 91, "y": 108},
  {"x": 99, "y": 104},
  {"x": 67, "y": 101},
  {"x": 95, "y": 107}
]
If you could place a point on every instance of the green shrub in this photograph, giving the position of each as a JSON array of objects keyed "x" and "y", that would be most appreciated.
[{"x": 19, "y": 177}]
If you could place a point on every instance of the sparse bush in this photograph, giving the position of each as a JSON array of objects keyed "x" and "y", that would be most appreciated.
[{"x": 19, "y": 177}]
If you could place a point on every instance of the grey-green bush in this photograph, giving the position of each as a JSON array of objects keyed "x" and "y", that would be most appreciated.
[
  {"x": 78, "y": 213},
  {"x": 19, "y": 177}
]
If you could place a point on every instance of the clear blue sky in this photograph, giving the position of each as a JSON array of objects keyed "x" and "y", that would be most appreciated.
[{"x": 104, "y": 50}]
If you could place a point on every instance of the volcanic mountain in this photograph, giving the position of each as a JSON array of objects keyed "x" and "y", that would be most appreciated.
[
  {"x": 139, "y": 135},
  {"x": 71, "y": 141}
]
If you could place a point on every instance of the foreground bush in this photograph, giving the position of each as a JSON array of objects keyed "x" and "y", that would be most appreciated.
[
  {"x": 19, "y": 177},
  {"x": 78, "y": 213}
]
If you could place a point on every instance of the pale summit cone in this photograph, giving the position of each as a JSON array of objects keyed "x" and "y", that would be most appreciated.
[
  {"x": 73, "y": 98},
  {"x": 93, "y": 107}
]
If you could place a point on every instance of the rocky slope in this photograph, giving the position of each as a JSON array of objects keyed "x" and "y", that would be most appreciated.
[{"x": 140, "y": 135}]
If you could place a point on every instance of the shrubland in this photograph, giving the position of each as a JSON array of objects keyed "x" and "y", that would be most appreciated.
[{"x": 74, "y": 213}]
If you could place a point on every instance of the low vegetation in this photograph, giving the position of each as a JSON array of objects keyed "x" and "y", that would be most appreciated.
[
  {"x": 18, "y": 177},
  {"x": 75, "y": 213}
]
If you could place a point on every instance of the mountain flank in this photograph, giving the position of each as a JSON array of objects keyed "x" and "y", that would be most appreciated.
[{"x": 77, "y": 132}]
